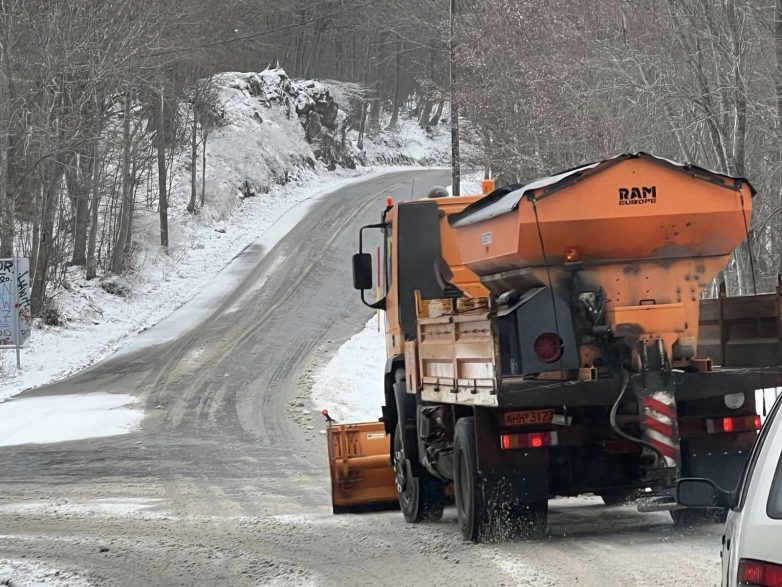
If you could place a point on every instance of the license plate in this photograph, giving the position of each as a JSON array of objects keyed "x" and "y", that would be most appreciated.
[{"x": 528, "y": 417}]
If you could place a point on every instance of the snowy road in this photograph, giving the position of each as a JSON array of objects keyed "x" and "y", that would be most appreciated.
[{"x": 224, "y": 484}]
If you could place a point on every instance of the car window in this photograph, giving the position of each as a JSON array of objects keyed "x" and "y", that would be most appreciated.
[
  {"x": 774, "y": 507},
  {"x": 746, "y": 477}
]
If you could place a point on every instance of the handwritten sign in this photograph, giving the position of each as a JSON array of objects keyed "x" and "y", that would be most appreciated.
[{"x": 15, "y": 318}]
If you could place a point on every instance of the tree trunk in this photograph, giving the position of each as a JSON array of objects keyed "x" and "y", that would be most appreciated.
[
  {"x": 120, "y": 245},
  {"x": 7, "y": 147},
  {"x": 205, "y": 134},
  {"x": 362, "y": 126},
  {"x": 426, "y": 114},
  {"x": 79, "y": 180},
  {"x": 352, "y": 73},
  {"x": 438, "y": 113},
  {"x": 455, "y": 170},
  {"x": 7, "y": 157},
  {"x": 162, "y": 175},
  {"x": 95, "y": 206},
  {"x": 397, "y": 87},
  {"x": 314, "y": 53},
  {"x": 8, "y": 195},
  {"x": 191, "y": 207},
  {"x": 46, "y": 242},
  {"x": 298, "y": 64},
  {"x": 374, "y": 113}
]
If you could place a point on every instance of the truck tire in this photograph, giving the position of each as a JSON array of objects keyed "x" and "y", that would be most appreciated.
[
  {"x": 468, "y": 488},
  {"x": 687, "y": 517},
  {"x": 421, "y": 496},
  {"x": 488, "y": 509}
]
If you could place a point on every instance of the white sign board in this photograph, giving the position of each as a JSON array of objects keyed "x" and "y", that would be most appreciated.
[{"x": 15, "y": 319}]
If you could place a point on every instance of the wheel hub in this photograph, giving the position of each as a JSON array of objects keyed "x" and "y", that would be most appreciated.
[{"x": 400, "y": 471}]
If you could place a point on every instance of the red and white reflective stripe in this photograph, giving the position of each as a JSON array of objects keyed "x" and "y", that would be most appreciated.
[{"x": 658, "y": 425}]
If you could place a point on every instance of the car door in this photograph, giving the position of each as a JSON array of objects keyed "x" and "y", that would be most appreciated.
[
  {"x": 736, "y": 522},
  {"x": 728, "y": 553}
]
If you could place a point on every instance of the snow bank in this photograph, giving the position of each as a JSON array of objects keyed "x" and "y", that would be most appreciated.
[
  {"x": 351, "y": 384},
  {"x": 60, "y": 418},
  {"x": 470, "y": 184},
  {"x": 19, "y": 573}
]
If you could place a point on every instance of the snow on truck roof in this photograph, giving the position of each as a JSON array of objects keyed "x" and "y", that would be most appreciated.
[{"x": 507, "y": 198}]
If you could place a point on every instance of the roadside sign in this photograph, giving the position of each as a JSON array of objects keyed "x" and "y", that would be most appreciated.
[{"x": 15, "y": 318}]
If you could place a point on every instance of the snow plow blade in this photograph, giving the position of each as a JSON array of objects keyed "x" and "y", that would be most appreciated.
[{"x": 362, "y": 478}]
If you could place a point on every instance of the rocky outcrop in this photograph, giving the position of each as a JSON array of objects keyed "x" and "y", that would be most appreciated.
[{"x": 325, "y": 124}]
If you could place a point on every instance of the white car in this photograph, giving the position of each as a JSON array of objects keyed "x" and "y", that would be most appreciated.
[{"x": 752, "y": 543}]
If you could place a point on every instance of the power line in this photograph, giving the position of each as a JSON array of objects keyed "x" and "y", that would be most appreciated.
[{"x": 263, "y": 33}]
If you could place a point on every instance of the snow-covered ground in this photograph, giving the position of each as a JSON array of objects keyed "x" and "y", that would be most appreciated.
[
  {"x": 470, "y": 184},
  {"x": 60, "y": 418},
  {"x": 97, "y": 322},
  {"x": 112, "y": 507},
  {"x": 25, "y": 573},
  {"x": 350, "y": 387},
  {"x": 260, "y": 143}
]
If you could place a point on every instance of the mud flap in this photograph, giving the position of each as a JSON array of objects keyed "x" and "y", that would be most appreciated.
[{"x": 520, "y": 473}]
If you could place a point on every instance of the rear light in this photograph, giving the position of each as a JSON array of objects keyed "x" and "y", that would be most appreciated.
[
  {"x": 548, "y": 347},
  {"x": 752, "y": 572},
  {"x": 732, "y": 424},
  {"x": 529, "y": 440}
]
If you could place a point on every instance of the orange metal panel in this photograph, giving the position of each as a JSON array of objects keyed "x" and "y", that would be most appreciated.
[
  {"x": 463, "y": 277},
  {"x": 690, "y": 217},
  {"x": 359, "y": 463}
]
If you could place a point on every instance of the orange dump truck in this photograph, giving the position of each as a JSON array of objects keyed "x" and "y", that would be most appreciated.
[{"x": 550, "y": 339}]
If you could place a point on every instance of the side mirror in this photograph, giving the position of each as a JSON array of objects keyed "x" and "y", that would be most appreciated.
[
  {"x": 362, "y": 271},
  {"x": 703, "y": 493}
]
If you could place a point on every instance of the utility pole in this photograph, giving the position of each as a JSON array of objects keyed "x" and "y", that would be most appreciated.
[{"x": 455, "y": 171}]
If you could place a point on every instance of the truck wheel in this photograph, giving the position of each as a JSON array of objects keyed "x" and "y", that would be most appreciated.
[
  {"x": 470, "y": 490},
  {"x": 487, "y": 509},
  {"x": 686, "y": 517},
  {"x": 615, "y": 497},
  {"x": 422, "y": 497}
]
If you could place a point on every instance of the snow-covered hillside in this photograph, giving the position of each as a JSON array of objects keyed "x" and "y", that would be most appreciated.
[{"x": 278, "y": 143}]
